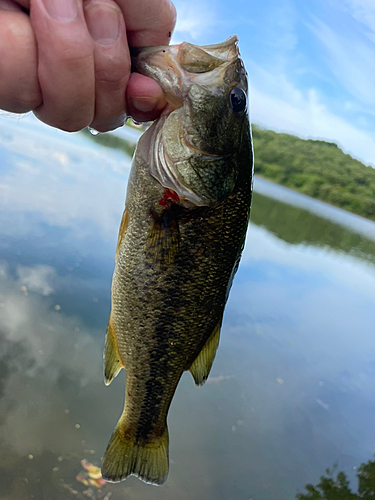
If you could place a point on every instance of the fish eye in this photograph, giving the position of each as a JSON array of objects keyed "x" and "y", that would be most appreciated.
[{"x": 237, "y": 99}]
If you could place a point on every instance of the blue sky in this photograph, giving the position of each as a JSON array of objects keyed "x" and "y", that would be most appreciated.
[{"x": 311, "y": 63}]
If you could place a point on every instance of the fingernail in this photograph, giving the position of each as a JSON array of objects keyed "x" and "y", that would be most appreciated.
[
  {"x": 103, "y": 22},
  {"x": 144, "y": 104},
  {"x": 62, "y": 10}
]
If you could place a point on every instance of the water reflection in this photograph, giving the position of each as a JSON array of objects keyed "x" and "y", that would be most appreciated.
[
  {"x": 47, "y": 368},
  {"x": 336, "y": 486},
  {"x": 50, "y": 179},
  {"x": 300, "y": 226},
  {"x": 292, "y": 388}
]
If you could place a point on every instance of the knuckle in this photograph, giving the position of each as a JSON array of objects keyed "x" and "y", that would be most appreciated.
[
  {"x": 72, "y": 55},
  {"x": 111, "y": 79},
  {"x": 17, "y": 30},
  {"x": 21, "y": 102}
]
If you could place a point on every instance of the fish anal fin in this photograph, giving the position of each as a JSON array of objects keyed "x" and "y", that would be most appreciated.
[
  {"x": 122, "y": 231},
  {"x": 201, "y": 366},
  {"x": 147, "y": 460},
  {"x": 112, "y": 361}
]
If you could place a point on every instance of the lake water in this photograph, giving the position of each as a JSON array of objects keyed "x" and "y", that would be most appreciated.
[{"x": 292, "y": 389}]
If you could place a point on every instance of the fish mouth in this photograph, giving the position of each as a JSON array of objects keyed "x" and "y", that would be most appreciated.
[{"x": 177, "y": 67}]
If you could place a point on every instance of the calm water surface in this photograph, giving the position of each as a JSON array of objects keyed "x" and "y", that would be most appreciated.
[{"x": 292, "y": 389}]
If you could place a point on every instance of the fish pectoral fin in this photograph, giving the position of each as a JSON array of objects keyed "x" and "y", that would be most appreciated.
[
  {"x": 122, "y": 231},
  {"x": 201, "y": 366},
  {"x": 112, "y": 361},
  {"x": 164, "y": 238},
  {"x": 147, "y": 460}
]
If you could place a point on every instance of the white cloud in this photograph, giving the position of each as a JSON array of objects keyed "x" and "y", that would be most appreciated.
[
  {"x": 31, "y": 319},
  {"x": 37, "y": 279},
  {"x": 59, "y": 175},
  {"x": 364, "y": 12},
  {"x": 351, "y": 59},
  {"x": 50, "y": 344},
  {"x": 220, "y": 378},
  {"x": 193, "y": 20},
  {"x": 281, "y": 27},
  {"x": 278, "y": 105}
]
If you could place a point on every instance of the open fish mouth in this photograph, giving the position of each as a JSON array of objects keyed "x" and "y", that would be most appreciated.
[{"x": 178, "y": 67}]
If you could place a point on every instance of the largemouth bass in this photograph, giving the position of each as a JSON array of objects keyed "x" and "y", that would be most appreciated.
[{"x": 180, "y": 242}]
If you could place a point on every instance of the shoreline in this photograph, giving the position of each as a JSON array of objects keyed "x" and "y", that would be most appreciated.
[{"x": 313, "y": 197}]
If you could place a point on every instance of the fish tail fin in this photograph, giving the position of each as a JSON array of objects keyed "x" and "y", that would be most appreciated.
[{"x": 147, "y": 459}]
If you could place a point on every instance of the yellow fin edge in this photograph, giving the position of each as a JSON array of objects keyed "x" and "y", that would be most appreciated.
[
  {"x": 201, "y": 366},
  {"x": 112, "y": 362},
  {"x": 149, "y": 461},
  {"x": 122, "y": 231}
]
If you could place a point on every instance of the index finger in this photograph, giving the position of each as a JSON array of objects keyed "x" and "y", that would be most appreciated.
[{"x": 148, "y": 22}]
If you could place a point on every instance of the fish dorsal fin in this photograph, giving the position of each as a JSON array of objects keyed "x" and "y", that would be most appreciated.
[
  {"x": 122, "y": 231},
  {"x": 201, "y": 367},
  {"x": 112, "y": 361}
]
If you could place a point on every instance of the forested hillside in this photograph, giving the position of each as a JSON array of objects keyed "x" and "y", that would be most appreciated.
[{"x": 316, "y": 168}]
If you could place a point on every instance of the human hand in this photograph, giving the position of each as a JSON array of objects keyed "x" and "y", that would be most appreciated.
[{"x": 68, "y": 60}]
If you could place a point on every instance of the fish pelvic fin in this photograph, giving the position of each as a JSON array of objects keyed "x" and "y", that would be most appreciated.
[
  {"x": 147, "y": 459},
  {"x": 201, "y": 366},
  {"x": 112, "y": 361},
  {"x": 122, "y": 231}
]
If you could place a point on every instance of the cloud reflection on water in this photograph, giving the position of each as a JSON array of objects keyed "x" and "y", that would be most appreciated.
[
  {"x": 60, "y": 176},
  {"x": 292, "y": 385}
]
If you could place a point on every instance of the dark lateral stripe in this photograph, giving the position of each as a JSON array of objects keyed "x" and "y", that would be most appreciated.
[{"x": 154, "y": 389}]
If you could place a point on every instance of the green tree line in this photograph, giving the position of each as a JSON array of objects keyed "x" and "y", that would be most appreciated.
[
  {"x": 335, "y": 486},
  {"x": 316, "y": 168}
]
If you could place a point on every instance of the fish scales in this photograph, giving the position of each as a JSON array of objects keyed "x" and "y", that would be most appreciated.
[{"x": 177, "y": 254}]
